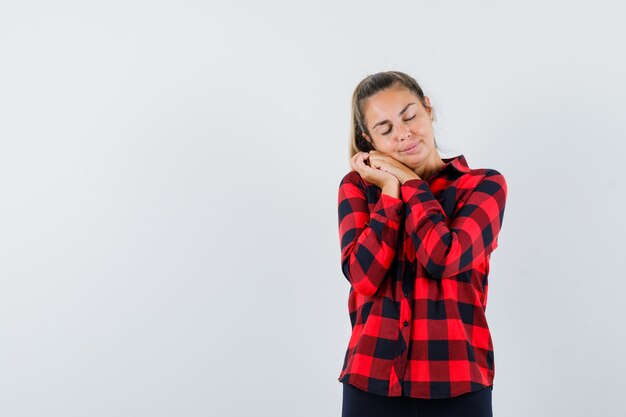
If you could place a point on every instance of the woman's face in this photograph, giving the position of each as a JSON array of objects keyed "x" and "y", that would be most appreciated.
[{"x": 400, "y": 126}]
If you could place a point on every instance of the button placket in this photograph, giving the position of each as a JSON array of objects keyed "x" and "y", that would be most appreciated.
[{"x": 405, "y": 312}]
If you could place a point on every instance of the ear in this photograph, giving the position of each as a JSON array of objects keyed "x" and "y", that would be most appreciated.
[
  {"x": 367, "y": 138},
  {"x": 429, "y": 109}
]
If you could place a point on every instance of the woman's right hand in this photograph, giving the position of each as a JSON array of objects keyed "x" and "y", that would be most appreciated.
[{"x": 374, "y": 176}]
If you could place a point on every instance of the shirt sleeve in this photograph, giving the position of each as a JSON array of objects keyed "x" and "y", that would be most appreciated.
[
  {"x": 368, "y": 240},
  {"x": 448, "y": 247}
]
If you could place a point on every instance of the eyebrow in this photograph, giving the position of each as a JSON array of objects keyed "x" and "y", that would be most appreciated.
[{"x": 399, "y": 114}]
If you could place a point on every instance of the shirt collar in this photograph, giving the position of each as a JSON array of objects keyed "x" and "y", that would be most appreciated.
[{"x": 457, "y": 162}]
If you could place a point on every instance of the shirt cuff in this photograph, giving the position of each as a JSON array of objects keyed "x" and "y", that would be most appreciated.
[
  {"x": 412, "y": 187},
  {"x": 389, "y": 207}
]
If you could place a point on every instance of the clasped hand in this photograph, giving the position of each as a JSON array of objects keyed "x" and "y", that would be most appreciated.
[{"x": 381, "y": 169}]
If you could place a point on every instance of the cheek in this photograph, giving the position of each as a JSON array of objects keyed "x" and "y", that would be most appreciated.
[
  {"x": 386, "y": 147},
  {"x": 423, "y": 129}
]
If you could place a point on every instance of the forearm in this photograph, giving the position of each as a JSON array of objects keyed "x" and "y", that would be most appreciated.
[
  {"x": 448, "y": 247},
  {"x": 366, "y": 263},
  {"x": 368, "y": 239}
]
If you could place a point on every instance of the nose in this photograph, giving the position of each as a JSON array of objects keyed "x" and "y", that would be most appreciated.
[{"x": 405, "y": 132}]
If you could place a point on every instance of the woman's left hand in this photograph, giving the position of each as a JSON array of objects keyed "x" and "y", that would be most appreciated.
[{"x": 391, "y": 165}]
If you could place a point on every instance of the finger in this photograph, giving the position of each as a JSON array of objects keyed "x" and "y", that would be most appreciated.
[
  {"x": 363, "y": 158},
  {"x": 358, "y": 163},
  {"x": 358, "y": 155},
  {"x": 353, "y": 160},
  {"x": 362, "y": 166},
  {"x": 373, "y": 161}
]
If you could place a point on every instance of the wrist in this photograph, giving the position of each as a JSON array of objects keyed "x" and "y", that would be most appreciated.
[
  {"x": 412, "y": 177},
  {"x": 392, "y": 188}
]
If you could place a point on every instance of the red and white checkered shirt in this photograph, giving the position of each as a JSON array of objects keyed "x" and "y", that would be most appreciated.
[{"x": 418, "y": 315}]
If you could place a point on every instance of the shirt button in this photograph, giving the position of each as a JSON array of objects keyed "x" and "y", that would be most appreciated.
[
  {"x": 406, "y": 323},
  {"x": 406, "y": 294},
  {"x": 398, "y": 211}
]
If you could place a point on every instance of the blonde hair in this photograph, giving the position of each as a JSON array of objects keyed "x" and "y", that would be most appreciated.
[{"x": 369, "y": 86}]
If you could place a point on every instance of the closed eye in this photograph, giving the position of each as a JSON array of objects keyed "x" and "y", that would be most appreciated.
[{"x": 406, "y": 120}]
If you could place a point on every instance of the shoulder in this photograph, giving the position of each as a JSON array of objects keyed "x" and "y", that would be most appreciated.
[
  {"x": 484, "y": 180},
  {"x": 486, "y": 174},
  {"x": 492, "y": 172},
  {"x": 353, "y": 177},
  {"x": 495, "y": 176},
  {"x": 352, "y": 185},
  {"x": 490, "y": 181}
]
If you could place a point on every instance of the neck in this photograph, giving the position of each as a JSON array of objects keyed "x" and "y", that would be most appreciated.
[{"x": 429, "y": 167}]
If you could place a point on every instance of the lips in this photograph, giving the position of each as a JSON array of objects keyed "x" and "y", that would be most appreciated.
[{"x": 409, "y": 148}]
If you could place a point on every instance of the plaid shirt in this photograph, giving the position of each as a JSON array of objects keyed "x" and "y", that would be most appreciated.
[{"x": 418, "y": 316}]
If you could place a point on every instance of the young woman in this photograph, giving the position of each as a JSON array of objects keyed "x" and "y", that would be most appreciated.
[{"x": 416, "y": 234}]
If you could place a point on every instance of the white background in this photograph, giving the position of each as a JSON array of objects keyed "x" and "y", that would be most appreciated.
[{"x": 169, "y": 174}]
